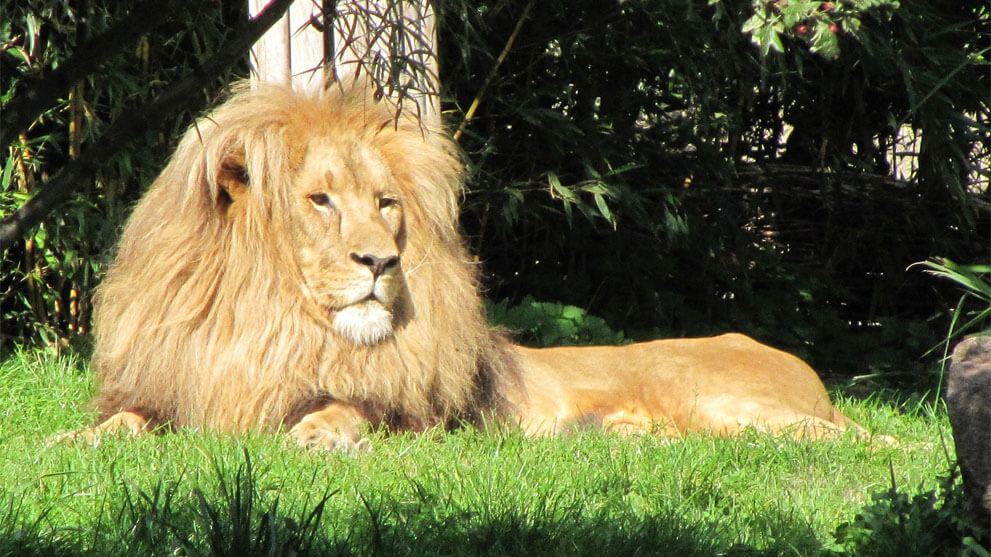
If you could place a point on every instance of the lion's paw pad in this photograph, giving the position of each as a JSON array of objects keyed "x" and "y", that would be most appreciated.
[{"x": 332, "y": 440}]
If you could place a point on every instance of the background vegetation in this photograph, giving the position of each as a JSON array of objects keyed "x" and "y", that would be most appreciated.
[
  {"x": 46, "y": 280},
  {"x": 644, "y": 161},
  {"x": 677, "y": 167}
]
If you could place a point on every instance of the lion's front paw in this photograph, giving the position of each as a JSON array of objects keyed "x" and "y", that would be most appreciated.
[
  {"x": 88, "y": 436},
  {"x": 308, "y": 434},
  {"x": 126, "y": 422}
]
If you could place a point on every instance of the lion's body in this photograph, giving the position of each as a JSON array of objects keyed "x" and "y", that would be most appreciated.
[
  {"x": 720, "y": 385},
  {"x": 298, "y": 264}
]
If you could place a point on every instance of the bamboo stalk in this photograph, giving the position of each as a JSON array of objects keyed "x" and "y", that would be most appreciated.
[{"x": 495, "y": 68}]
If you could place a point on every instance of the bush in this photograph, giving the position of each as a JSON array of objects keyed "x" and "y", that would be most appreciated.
[{"x": 541, "y": 324}]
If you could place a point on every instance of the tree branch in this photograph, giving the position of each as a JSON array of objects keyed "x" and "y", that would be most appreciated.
[
  {"x": 128, "y": 128},
  {"x": 35, "y": 97}
]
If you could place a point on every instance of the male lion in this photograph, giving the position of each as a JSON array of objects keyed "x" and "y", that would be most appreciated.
[{"x": 298, "y": 265}]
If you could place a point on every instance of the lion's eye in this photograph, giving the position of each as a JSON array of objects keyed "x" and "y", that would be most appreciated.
[
  {"x": 386, "y": 202},
  {"x": 321, "y": 201}
]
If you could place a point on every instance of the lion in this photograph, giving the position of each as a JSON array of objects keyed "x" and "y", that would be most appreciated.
[{"x": 298, "y": 267}]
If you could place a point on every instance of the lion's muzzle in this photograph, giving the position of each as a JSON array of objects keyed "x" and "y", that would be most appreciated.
[
  {"x": 369, "y": 318},
  {"x": 377, "y": 265}
]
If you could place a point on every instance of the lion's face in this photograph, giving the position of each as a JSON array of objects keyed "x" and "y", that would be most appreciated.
[{"x": 349, "y": 229}]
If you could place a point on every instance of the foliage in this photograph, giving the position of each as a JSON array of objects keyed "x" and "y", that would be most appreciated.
[
  {"x": 814, "y": 22},
  {"x": 974, "y": 281},
  {"x": 897, "y": 523},
  {"x": 644, "y": 161},
  {"x": 46, "y": 282},
  {"x": 552, "y": 324}
]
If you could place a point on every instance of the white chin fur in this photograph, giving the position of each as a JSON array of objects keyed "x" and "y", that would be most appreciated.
[{"x": 366, "y": 323}]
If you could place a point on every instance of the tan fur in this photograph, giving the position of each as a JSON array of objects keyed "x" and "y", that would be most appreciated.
[
  {"x": 719, "y": 385},
  {"x": 297, "y": 264}
]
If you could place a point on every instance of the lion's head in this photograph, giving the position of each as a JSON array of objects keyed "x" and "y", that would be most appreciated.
[{"x": 296, "y": 248}]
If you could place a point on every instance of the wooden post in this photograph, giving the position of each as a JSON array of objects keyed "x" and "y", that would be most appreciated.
[
  {"x": 392, "y": 42},
  {"x": 292, "y": 51}
]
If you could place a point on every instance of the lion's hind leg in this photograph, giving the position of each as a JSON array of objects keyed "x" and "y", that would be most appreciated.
[
  {"x": 805, "y": 427},
  {"x": 802, "y": 427},
  {"x": 129, "y": 423}
]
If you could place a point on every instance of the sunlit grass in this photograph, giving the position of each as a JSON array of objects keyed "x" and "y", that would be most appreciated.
[{"x": 461, "y": 493}]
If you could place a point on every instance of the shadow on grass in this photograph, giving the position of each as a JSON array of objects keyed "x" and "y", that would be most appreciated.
[
  {"x": 272, "y": 534},
  {"x": 200, "y": 527},
  {"x": 235, "y": 518}
]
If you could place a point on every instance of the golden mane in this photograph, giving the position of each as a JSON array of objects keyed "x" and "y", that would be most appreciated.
[{"x": 200, "y": 320}]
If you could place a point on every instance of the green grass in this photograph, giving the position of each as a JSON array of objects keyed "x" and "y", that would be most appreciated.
[{"x": 461, "y": 493}]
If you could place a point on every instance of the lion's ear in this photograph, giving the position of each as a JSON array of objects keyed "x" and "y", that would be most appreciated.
[{"x": 232, "y": 179}]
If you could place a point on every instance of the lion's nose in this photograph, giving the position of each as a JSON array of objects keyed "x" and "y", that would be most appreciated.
[{"x": 378, "y": 265}]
